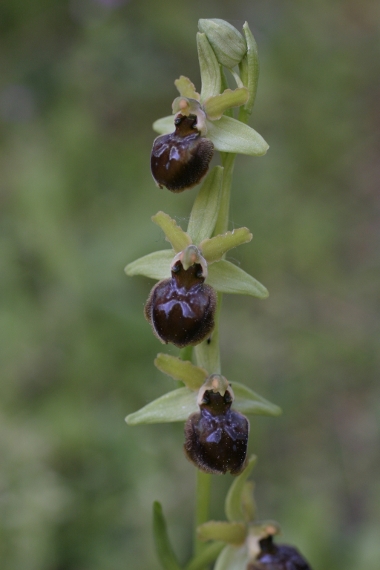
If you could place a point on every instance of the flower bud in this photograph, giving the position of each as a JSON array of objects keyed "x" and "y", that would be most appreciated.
[
  {"x": 278, "y": 557},
  {"x": 228, "y": 44},
  {"x": 216, "y": 438},
  {"x": 181, "y": 159},
  {"x": 181, "y": 309}
]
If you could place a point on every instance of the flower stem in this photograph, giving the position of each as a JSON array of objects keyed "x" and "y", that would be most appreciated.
[
  {"x": 202, "y": 508},
  {"x": 221, "y": 226}
]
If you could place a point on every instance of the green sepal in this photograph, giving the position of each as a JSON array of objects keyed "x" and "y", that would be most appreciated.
[
  {"x": 252, "y": 68},
  {"x": 233, "y": 505},
  {"x": 173, "y": 232},
  {"x": 214, "y": 249},
  {"x": 205, "y": 209},
  {"x": 209, "y": 68},
  {"x": 164, "y": 550},
  {"x": 226, "y": 277},
  {"x": 164, "y": 126},
  {"x": 232, "y": 558},
  {"x": 155, "y": 265},
  {"x": 216, "y": 106},
  {"x": 230, "y": 135},
  {"x": 175, "y": 406},
  {"x": 229, "y": 532},
  {"x": 227, "y": 42},
  {"x": 192, "y": 376},
  {"x": 249, "y": 402},
  {"x": 186, "y": 88},
  {"x": 207, "y": 555},
  {"x": 248, "y": 504}
]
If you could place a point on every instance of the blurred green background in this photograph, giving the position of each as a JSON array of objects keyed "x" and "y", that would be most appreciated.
[{"x": 81, "y": 81}]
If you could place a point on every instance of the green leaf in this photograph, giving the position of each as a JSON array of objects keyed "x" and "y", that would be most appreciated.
[
  {"x": 209, "y": 68},
  {"x": 232, "y": 558},
  {"x": 205, "y": 209},
  {"x": 248, "y": 402},
  {"x": 213, "y": 249},
  {"x": 229, "y": 532},
  {"x": 154, "y": 265},
  {"x": 233, "y": 503},
  {"x": 230, "y": 135},
  {"x": 253, "y": 68},
  {"x": 164, "y": 550},
  {"x": 183, "y": 370},
  {"x": 216, "y": 106},
  {"x": 248, "y": 504},
  {"x": 207, "y": 555},
  {"x": 175, "y": 406},
  {"x": 186, "y": 88},
  {"x": 173, "y": 232},
  {"x": 226, "y": 277},
  {"x": 164, "y": 126}
]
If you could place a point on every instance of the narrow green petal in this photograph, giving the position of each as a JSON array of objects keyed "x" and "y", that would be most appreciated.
[
  {"x": 164, "y": 126},
  {"x": 253, "y": 68},
  {"x": 186, "y": 88},
  {"x": 173, "y": 232},
  {"x": 183, "y": 370},
  {"x": 248, "y": 402},
  {"x": 213, "y": 249},
  {"x": 226, "y": 277},
  {"x": 233, "y": 503},
  {"x": 232, "y": 558},
  {"x": 229, "y": 532},
  {"x": 230, "y": 135},
  {"x": 174, "y": 406},
  {"x": 164, "y": 550},
  {"x": 205, "y": 209},
  {"x": 216, "y": 106},
  {"x": 154, "y": 265},
  {"x": 209, "y": 68}
]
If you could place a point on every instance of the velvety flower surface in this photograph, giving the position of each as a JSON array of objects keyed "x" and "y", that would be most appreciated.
[
  {"x": 217, "y": 437},
  {"x": 181, "y": 309},
  {"x": 278, "y": 557}
]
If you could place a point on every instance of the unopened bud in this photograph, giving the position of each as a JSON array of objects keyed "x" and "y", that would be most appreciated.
[{"x": 226, "y": 41}]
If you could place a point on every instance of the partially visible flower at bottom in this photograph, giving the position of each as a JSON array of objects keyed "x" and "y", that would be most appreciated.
[
  {"x": 217, "y": 437},
  {"x": 278, "y": 557}
]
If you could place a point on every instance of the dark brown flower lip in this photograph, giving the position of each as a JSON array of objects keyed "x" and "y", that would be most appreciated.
[{"x": 278, "y": 557}]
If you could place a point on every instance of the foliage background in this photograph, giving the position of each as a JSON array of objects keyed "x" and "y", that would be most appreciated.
[{"x": 80, "y": 84}]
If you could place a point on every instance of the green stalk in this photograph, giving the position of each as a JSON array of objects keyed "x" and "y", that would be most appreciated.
[{"x": 202, "y": 507}]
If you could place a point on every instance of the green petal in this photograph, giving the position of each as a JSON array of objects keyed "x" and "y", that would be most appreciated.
[
  {"x": 230, "y": 135},
  {"x": 164, "y": 550},
  {"x": 183, "y": 370},
  {"x": 232, "y": 558},
  {"x": 209, "y": 68},
  {"x": 154, "y": 265},
  {"x": 253, "y": 68},
  {"x": 164, "y": 126},
  {"x": 205, "y": 209},
  {"x": 213, "y": 249},
  {"x": 248, "y": 402},
  {"x": 226, "y": 277},
  {"x": 229, "y": 532},
  {"x": 186, "y": 88},
  {"x": 216, "y": 106},
  {"x": 233, "y": 503},
  {"x": 174, "y": 233},
  {"x": 174, "y": 406}
]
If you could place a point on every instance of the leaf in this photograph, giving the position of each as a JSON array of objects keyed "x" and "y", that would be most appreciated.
[
  {"x": 183, "y": 370},
  {"x": 248, "y": 402},
  {"x": 164, "y": 126},
  {"x": 173, "y": 232},
  {"x": 175, "y": 406},
  {"x": 209, "y": 68},
  {"x": 154, "y": 265},
  {"x": 232, "y": 558},
  {"x": 213, "y": 249},
  {"x": 216, "y": 106},
  {"x": 229, "y": 532},
  {"x": 233, "y": 503},
  {"x": 226, "y": 277},
  {"x": 186, "y": 88},
  {"x": 253, "y": 67},
  {"x": 164, "y": 550},
  {"x": 230, "y": 135},
  {"x": 205, "y": 209}
]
